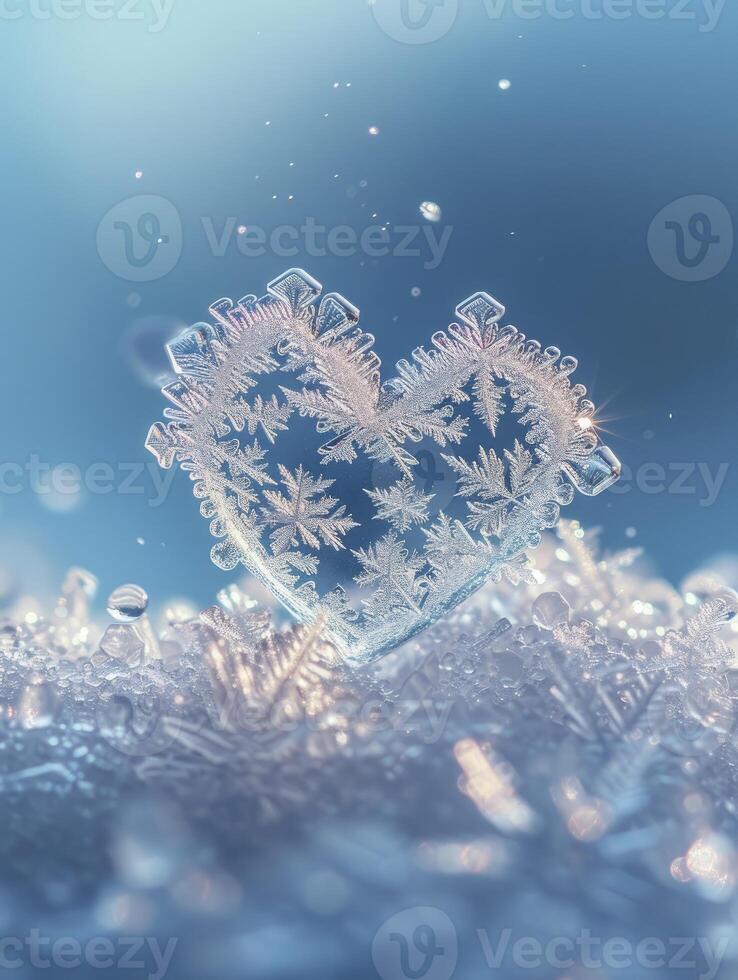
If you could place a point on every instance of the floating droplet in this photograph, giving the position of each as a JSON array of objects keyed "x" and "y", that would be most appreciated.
[
  {"x": 37, "y": 706},
  {"x": 550, "y": 610},
  {"x": 431, "y": 211},
  {"x": 127, "y": 603},
  {"x": 504, "y": 84}
]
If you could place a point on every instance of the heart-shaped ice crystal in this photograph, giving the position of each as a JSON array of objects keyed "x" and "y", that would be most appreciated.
[{"x": 375, "y": 506}]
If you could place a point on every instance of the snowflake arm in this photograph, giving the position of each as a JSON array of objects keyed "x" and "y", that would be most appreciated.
[{"x": 269, "y": 415}]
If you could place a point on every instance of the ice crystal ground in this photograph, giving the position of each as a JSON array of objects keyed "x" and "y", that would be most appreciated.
[
  {"x": 294, "y": 511},
  {"x": 550, "y": 759}
]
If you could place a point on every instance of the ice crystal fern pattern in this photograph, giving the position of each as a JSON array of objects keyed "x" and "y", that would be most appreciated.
[{"x": 349, "y": 529}]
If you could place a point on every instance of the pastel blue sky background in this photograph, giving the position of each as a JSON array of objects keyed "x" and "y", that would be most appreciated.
[{"x": 550, "y": 188}]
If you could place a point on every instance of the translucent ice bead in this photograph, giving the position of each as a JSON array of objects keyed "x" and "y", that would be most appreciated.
[
  {"x": 37, "y": 706},
  {"x": 430, "y": 211},
  {"x": 123, "y": 643},
  {"x": 595, "y": 473},
  {"x": 127, "y": 603},
  {"x": 550, "y": 610}
]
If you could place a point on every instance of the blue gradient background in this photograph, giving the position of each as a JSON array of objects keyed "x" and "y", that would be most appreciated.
[{"x": 576, "y": 161}]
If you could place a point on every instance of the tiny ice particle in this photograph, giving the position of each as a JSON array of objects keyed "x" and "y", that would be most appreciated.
[
  {"x": 550, "y": 610},
  {"x": 430, "y": 211},
  {"x": 504, "y": 84},
  {"x": 336, "y": 84},
  {"x": 374, "y": 130},
  {"x": 127, "y": 603},
  {"x": 139, "y": 174},
  {"x": 415, "y": 291},
  {"x": 242, "y": 229}
]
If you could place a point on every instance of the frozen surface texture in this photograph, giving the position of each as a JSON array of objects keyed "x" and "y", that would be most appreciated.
[{"x": 551, "y": 758}]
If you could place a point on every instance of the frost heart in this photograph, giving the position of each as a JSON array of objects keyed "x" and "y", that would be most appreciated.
[{"x": 353, "y": 500}]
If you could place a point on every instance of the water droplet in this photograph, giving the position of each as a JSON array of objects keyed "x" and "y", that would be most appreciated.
[
  {"x": 550, "y": 610},
  {"x": 143, "y": 348},
  {"x": 37, "y": 706},
  {"x": 431, "y": 211},
  {"x": 725, "y": 605},
  {"x": 127, "y": 603},
  {"x": 504, "y": 84}
]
